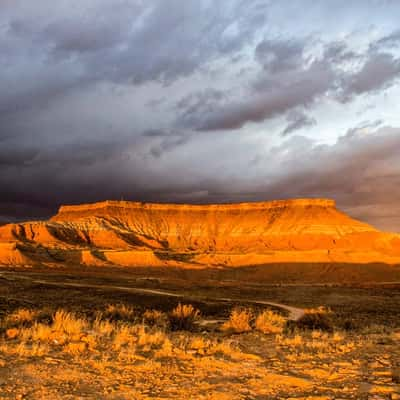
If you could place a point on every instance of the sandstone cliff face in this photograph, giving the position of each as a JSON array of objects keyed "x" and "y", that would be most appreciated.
[{"x": 141, "y": 234}]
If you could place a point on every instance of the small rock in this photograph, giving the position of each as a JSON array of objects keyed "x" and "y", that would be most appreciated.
[{"x": 12, "y": 333}]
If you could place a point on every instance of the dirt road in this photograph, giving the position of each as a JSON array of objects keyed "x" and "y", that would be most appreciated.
[{"x": 294, "y": 313}]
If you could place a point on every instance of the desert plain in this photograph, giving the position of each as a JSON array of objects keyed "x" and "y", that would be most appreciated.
[{"x": 275, "y": 300}]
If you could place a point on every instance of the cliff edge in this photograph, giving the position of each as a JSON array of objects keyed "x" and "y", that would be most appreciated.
[{"x": 148, "y": 234}]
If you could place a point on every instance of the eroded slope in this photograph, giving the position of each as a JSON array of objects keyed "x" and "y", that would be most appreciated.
[{"x": 136, "y": 234}]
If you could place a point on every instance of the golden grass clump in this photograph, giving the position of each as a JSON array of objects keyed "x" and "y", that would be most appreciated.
[
  {"x": 120, "y": 312},
  {"x": 65, "y": 328},
  {"x": 103, "y": 328},
  {"x": 166, "y": 349},
  {"x": 239, "y": 321},
  {"x": 156, "y": 318},
  {"x": 150, "y": 340},
  {"x": 338, "y": 337},
  {"x": 68, "y": 323},
  {"x": 183, "y": 316},
  {"x": 270, "y": 322},
  {"x": 124, "y": 336},
  {"x": 43, "y": 333},
  {"x": 22, "y": 316}
]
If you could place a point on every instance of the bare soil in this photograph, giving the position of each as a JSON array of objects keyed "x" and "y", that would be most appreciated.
[{"x": 358, "y": 359}]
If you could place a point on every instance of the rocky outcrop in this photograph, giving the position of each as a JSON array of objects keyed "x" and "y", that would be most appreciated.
[{"x": 143, "y": 234}]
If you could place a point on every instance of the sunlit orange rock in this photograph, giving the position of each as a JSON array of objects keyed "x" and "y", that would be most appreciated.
[{"x": 143, "y": 234}]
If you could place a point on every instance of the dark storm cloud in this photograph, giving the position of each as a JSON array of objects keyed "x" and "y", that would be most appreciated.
[
  {"x": 268, "y": 100},
  {"x": 279, "y": 55},
  {"x": 360, "y": 168},
  {"x": 290, "y": 79},
  {"x": 168, "y": 144},
  {"x": 126, "y": 41},
  {"x": 64, "y": 157},
  {"x": 15, "y": 157},
  {"x": 195, "y": 105},
  {"x": 378, "y": 72},
  {"x": 168, "y": 140},
  {"x": 297, "y": 120}
]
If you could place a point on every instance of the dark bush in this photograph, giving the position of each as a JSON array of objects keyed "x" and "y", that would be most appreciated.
[
  {"x": 316, "y": 319},
  {"x": 182, "y": 317},
  {"x": 120, "y": 312}
]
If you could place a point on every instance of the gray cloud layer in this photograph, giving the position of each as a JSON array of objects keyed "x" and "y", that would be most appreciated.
[{"x": 289, "y": 79}]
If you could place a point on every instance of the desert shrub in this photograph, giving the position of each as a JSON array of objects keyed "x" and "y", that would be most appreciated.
[
  {"x": 124, "y": 335},
  {"x": 68, "y": 323},
  {"x": 349, "y": 325},
  {"x": 65, "y": 327},
  {"x": 148, "y": 340},
  {"x": 270, "y": 322},
  {"x": 42, "y": 333},
  {"x": 239, "y": 321},
  {"x": 21, "y": 317},
  {"x": 119, "y": 312},
  {"x": 103, "y": 328},
  {"x": 166, "y": 350},
  {"x": 316, "y": 319},
  {"x": 156, "y": 318},
  {"x": 183, "y": 316}
]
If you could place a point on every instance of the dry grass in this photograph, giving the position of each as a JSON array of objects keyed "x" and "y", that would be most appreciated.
[
  {"x": 75, "y": 348},
  {"x": 22, "y": 316},
  {"x": 68, "y": 323},
  {"x": 120, "y": 359},
  {"x": 183, "y": 317},
  {"x": 120, "y": 312},
  {"x": 124, "y": 336},
  {"x": 75, "y": 335},
  {"x": 239, "y": 321},
  {"x": 270, "y": 322},
  {"x": 317, "y": 342},
  {"x": 156, "y": 318},
  {"x": 103, "y": 328},
  {"x": 243, "y": 320},
  {"x": 148, "y": 340},
  {"x": 65, "y": 330}
]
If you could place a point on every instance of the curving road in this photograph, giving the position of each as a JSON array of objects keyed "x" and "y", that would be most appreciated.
[{"x": 294, "y": 312}]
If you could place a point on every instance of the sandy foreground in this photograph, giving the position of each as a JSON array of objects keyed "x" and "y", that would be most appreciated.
[{"x": 71, "y": 358}]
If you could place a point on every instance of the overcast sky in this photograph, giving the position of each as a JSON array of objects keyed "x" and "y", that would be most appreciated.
[{"x": 200, "y": 101}]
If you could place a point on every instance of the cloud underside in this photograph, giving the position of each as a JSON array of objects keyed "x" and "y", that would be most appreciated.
[
  {"x": 168, "y": 101},
  {"x": 359, "y": 170}
]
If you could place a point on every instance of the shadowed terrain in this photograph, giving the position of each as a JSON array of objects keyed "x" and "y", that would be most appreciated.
[{"x": 112, "y": 333}]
